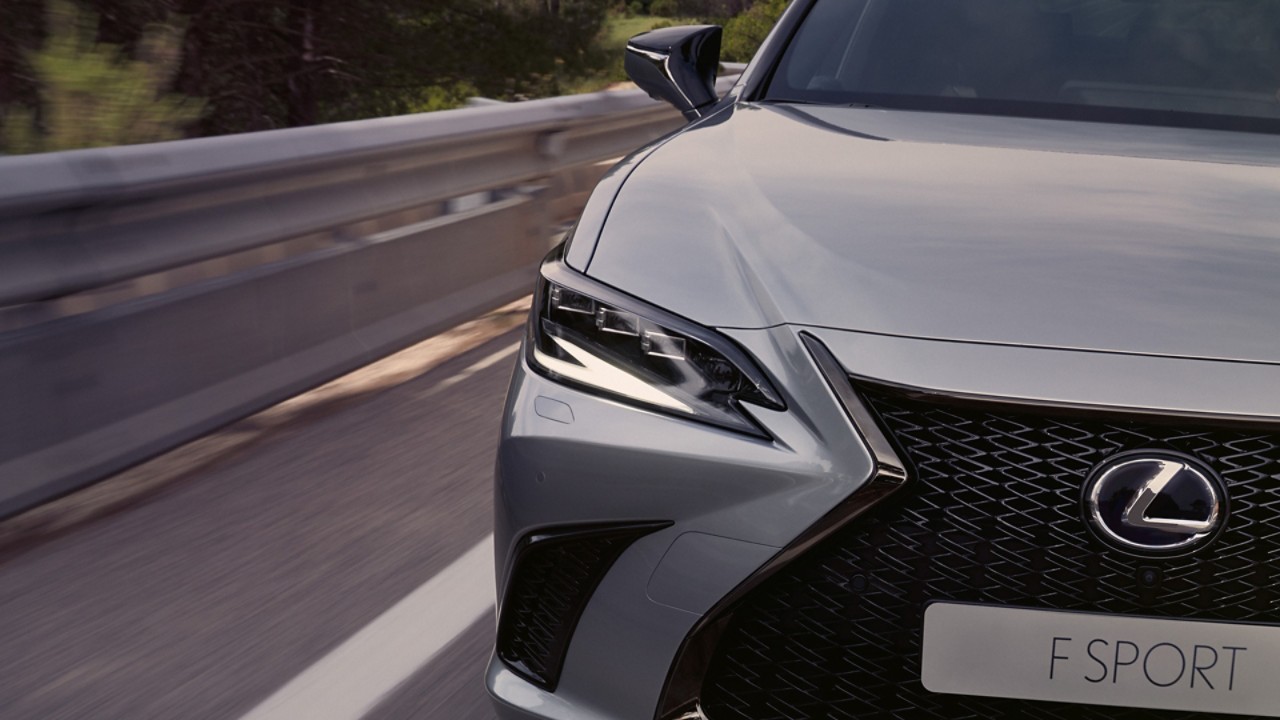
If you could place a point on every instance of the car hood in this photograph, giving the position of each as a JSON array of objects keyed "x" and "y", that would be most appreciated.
[{"x": 1012, "y": 231}]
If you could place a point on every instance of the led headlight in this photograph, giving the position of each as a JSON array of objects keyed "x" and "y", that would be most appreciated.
[{"x": 587, "y": 334}]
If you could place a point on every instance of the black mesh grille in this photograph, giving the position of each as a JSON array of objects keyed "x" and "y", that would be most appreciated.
[
  {"x": 554, "y": 577},
  {"x": 993, "y": 516}
]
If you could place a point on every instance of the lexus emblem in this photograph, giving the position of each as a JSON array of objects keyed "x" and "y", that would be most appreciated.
[{"x": 1154, "y": 502}]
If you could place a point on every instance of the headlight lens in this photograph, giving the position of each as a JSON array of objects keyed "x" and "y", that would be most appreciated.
[{"x": 592, "y": 336}]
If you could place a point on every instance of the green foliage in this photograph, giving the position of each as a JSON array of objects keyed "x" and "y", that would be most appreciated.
[
  {"x": 621, "y": 29},
  {"x": 264, "y": 64},
  {"x": 612, "y": 41},
  {"x": 664, "y": 8},
  {"x": 744, "y": 33},
  {"x": 279, "y": 63},
  {"x": 712, "y": 10},
  {"x": 441, "y": 97},
  {"x": 93, "y": 95}
]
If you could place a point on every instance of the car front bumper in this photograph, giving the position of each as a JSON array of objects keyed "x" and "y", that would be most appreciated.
[{"x": 734, "y": 502}]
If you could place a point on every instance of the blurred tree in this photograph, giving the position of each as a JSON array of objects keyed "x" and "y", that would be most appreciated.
[
  {"x": 711, "y": 9},
  {"x": 263, "y": 64},
  {"x": 664, "y": 8},
  {"x": 277, "y": 63},
  {"x": 93, "y": 95},
  {"x": 744, "y": 33},
  {"x": 21, "y": 33},
  {"x": 125, "y": 22}
]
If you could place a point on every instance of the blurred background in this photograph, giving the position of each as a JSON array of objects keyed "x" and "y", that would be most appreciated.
[
  {"x": 251, "y": 382},
  {"x": 90, "y": 73}
]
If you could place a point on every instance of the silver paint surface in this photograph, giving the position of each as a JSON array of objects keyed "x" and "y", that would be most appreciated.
[
  {"x": 1088, "y": 265},
  {"x": 1028, "y": 232}
]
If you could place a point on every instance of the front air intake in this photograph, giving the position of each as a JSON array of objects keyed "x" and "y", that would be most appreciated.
[
  {"x": 555, "y": 573},
  {"x": 992, "y": 516}
]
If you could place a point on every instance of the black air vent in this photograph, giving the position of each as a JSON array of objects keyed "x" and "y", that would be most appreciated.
[{"x": 556, "y": 571}]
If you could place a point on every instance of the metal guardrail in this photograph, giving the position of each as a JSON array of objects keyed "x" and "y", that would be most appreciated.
[{"x": 331, "y": 246}]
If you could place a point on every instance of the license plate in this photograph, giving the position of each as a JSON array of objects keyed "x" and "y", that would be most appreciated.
[{"x": 1101, "y": 659}]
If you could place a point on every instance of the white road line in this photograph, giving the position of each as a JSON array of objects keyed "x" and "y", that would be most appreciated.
[
  {"x": 474, "y": 368},
  {"x": 351, "y": 680}
]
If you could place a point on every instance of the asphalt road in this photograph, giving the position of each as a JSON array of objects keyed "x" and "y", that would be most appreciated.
[{"x": 204, "y": 594}]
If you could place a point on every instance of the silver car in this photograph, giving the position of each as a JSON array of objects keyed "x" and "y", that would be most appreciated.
[{"x": 933, "y": 372}]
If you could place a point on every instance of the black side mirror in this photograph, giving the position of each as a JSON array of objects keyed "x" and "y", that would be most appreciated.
[{"x": 677, "y": 64}]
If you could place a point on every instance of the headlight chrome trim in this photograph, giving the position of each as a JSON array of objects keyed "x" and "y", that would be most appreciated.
[{"x": 588, "y": 369}]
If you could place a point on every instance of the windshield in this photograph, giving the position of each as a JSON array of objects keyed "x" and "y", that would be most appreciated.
[{"x": 1194, "y": 63}]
